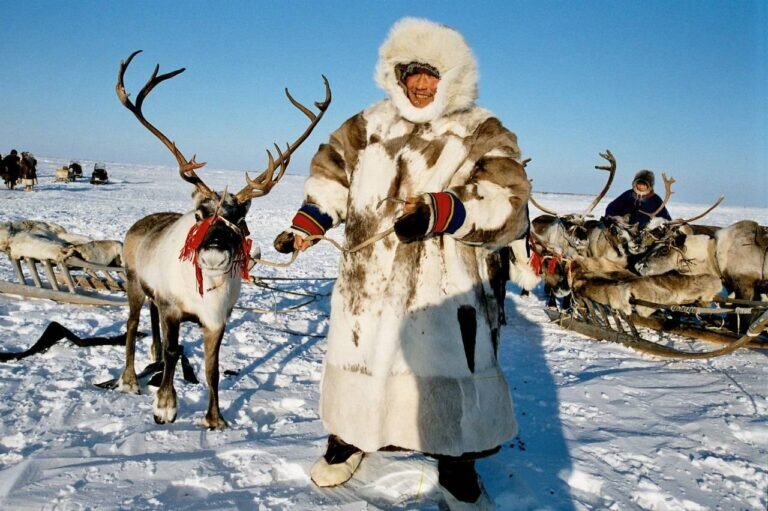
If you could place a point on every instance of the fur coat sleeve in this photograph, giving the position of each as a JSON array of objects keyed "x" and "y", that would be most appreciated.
[
  {"x": 497, "y": 191},
  {"x": 328, "y": 184}
]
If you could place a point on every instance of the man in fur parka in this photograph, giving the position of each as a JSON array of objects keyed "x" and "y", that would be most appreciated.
[{"x": 412, "y": 347}]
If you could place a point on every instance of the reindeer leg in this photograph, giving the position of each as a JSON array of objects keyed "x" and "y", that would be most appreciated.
[
  {"x": 156, "y": 354},
  {"x": 165, "y": 405},
  {"x": 128, "y": 381},
  {"x": 743, "y": 289},
  {"x": 212, "y": 341}
]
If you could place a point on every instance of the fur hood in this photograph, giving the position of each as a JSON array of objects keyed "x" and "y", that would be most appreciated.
[
  {"x": 647, "y": 177},
  {"x": 427, "y": 42}
]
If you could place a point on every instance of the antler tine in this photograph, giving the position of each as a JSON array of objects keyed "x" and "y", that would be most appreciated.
[
  {"x": 265, "y": 181},
  {"x": 542, "y": 208},
  {"x": 611, "y": 168},
  {"x": 668, "y": 182},
  {"x": 186, "y": 167},
  {"x": 702, "y": 215},
  {"x": 531, "y": 199}
]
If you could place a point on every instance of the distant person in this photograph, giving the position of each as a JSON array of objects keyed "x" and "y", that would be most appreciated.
[
  {"x": 28, "y": 171},
  {"x": 640, "y": 199},
  {"x": 11, "y": 169}
]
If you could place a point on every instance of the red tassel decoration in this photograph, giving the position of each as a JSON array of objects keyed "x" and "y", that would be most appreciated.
[
  {"x": 552, "y": 266},
  {"x": 195, "y": 237},
  {"x": 536, "y": 263}
]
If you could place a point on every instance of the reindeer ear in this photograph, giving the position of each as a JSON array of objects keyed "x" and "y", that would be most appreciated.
[{"x": 680, "y": 240}]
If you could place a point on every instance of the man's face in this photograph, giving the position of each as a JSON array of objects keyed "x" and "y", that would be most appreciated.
[{"x": 421, "y": 89}]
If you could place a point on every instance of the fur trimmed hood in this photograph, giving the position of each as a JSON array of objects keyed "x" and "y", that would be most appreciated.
[
  {"x": 427, "y": 42},
  {"x": 647, "y": 177}
]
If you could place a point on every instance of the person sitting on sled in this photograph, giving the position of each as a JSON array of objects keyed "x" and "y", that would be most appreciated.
[
  {"x": 639, "y": 200},
  {"x": 411, "y": 362}
]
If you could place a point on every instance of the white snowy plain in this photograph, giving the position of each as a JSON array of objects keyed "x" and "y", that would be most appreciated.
[{"x": 601, "y": 426}]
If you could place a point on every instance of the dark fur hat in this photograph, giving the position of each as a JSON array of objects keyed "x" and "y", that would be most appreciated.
[{"x": 645, "y": 176}]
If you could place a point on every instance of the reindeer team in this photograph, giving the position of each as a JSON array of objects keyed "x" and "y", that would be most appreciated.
[{"x": 612, "y": 262}]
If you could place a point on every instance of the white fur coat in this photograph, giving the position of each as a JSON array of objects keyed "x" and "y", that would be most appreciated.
[{"x": 412, "y": 346}]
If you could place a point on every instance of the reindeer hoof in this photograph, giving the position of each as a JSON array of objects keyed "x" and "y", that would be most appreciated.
[
  {"x": 127, "y": 387},
  {"x": 164, "y": 419},
  {"x": 217, "y": 423}
]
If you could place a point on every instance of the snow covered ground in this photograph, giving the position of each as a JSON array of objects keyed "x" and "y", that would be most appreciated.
[{"x": 601, "y": 427}]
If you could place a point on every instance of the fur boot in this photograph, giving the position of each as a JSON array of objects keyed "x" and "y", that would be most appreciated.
[{"x": 337, "y": 465}]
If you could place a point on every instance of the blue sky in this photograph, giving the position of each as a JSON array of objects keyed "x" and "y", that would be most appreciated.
[{"x": 676, "y": 86}]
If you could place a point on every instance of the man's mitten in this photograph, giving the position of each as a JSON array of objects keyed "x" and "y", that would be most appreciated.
[
  {"x": 284, "y": 242},
  {"x": 434, "y": 213}
]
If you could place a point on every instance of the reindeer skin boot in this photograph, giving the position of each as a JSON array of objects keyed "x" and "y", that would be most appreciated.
[
  {"x": 461, "y": 486},
  {"x": 337, "y": 465}
]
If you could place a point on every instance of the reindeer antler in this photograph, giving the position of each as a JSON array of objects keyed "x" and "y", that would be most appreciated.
[
  {"x": 667, "y": 194},
  {"x": 186, "y": 167},
  {"x": 265, "y": 181},
  {"x": 525, "y": 163},
  {"x": 611, "y": 168},
  {"x": 542, "y": 208},
  {"x": 702, "y": 215}
]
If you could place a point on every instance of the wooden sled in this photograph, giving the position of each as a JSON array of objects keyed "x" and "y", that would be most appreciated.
[
  {"x": 70, "y": 281},
  {"x": 600, "y": 322}
]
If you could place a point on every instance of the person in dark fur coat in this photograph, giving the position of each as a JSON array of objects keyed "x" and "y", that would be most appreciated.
[
  {"x": 11, "y": 168},
  {"x": 640, "y": 199},
  {"x": 411, "y": 362}
]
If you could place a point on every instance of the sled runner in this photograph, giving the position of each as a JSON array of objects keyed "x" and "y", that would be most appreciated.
[
  {"x": 719, "y": 321},
  {"x": 72, "y": 281}
]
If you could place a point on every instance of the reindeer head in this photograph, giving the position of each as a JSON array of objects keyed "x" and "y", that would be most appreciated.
[
  {"x": 668, "y": 255},
  {"x": 217, "y": 242}
]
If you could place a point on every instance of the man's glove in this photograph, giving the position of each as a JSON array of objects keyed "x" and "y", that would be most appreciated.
[
  {"x": 284, "y": 242},
  {"x": 414, "y": 226},
  {"x": 430, "y": 213}
]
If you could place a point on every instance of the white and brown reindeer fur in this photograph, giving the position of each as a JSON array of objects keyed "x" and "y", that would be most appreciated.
[
  {"x": 103, "y": 252},
  {"x": 154, "y": 271},
  {"x": 46, "y": 240}
]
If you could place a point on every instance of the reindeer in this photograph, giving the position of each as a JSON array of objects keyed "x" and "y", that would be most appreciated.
[
  {"x": 189, "y": 265},
  {"x": 553, "y": 239},
  {"x": 737, "y": 254},
  {"x": 618, "y": 287}
]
